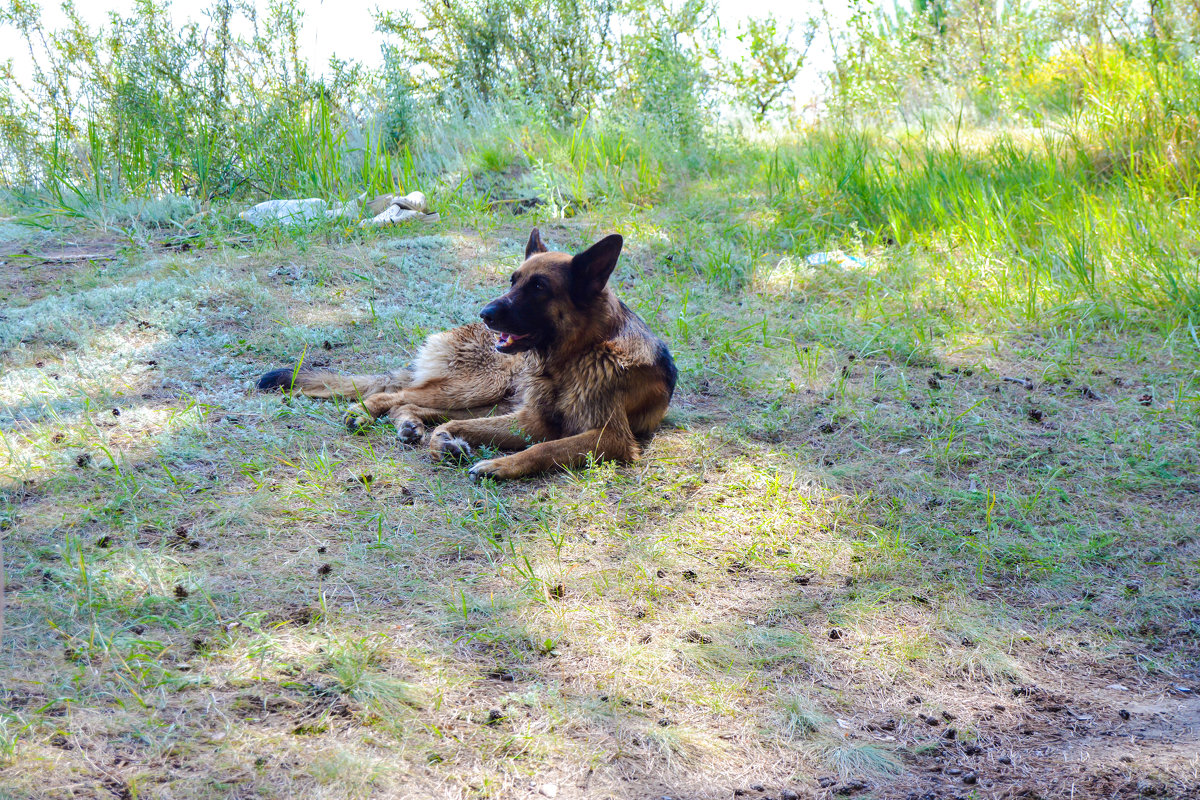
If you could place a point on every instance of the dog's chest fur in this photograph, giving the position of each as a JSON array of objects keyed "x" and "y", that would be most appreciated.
[{"x": 580, "y": 394}]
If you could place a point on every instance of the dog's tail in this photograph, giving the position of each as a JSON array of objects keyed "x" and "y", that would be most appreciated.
[{"x": 323, "y": 383}]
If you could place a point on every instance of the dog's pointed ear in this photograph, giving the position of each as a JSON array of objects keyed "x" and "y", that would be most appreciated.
[
  {"x": 591, "y": 268},
  {"x": 535, "y": 245}
]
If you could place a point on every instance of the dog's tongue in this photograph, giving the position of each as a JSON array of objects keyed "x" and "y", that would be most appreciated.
[{"x": 505, "y": 339}]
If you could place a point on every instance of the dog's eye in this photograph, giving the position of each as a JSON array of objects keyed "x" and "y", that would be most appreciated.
[
  {"x": 538, "y": 285},
  {"x": 513, "y": 280}
]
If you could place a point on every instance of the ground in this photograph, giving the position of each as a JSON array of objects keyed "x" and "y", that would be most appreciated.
[{"x": 883, "y": 546}]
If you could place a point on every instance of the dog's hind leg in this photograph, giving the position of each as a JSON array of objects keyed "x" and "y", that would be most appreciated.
[
  {"x": 410, "y": 420},
  {"x": 455, "y": 392}
]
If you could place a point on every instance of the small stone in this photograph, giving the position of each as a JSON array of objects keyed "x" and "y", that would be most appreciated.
[
  {"x": 549, "y": 789},
  {"x": 970, "y": 779},
  {"x": 835, "y": 634},
  {"x": 950, "y": 734},
  {"x": 1124, "y": 714},
  {"x": 1004, "y": 760},
  {"x": 757, "y": 787},
  {"x": 788, "y": 794}
]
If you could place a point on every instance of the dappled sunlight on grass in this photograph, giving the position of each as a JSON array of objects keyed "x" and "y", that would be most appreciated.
[{"x": 848, "y": 507}]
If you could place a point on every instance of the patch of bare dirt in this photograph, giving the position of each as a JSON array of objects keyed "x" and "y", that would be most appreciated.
[
  {"x": 1112, "y": 742},
  {"x": 32, "y": 270}
]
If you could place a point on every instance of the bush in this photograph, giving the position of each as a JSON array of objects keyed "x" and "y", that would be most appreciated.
[
  {"x": 145, "y": 108},
  {"x": 553, "y": 52}
]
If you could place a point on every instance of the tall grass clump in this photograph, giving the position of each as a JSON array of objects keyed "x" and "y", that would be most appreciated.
[
  {"x": 1055, "y": 232},
  {"x": 1044, "y": 162},
  {"x": 145, "y": 108}
]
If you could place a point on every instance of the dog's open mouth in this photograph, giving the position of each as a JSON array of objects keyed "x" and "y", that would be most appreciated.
[{"x": 506, "y": 340}]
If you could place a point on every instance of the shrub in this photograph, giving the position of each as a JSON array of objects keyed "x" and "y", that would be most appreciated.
[{"x": 553, "y": 52}]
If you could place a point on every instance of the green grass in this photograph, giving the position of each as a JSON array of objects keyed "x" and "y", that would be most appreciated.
[
  {"x": 931, "y": 466},
  {"x": 958, "y": 465},
  {"x": 217, "y": 591}
]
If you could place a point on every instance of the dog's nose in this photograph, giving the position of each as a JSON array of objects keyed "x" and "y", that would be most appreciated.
[{"x": 488, "y": 315}]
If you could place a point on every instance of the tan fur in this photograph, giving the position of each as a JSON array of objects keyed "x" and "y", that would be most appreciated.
[{"x": 319, "y": 383}]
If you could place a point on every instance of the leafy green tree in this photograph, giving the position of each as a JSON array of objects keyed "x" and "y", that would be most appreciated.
[
  {"x": 555, "y": 51},
  {"x": 771, "y": 64},
  {"x": 660, "y": 64}
]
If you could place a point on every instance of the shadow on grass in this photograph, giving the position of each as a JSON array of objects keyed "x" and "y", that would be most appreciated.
[{"x": 230, "y": 594}]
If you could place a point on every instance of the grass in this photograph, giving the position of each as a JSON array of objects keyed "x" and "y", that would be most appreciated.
[{"x": 953, "y": 479}]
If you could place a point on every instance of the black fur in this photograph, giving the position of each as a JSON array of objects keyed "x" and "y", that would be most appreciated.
[
  {"x": 665, "y": 363},
  {"x": 277, "y": 379}
]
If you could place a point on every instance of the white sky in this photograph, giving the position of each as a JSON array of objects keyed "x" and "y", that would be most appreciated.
[{"x": 345, "y": 28}]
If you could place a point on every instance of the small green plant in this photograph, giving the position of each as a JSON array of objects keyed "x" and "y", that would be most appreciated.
[{"x": 802, "y": 719}]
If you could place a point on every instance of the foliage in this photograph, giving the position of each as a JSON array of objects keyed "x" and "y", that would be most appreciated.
[
  {"x": 552, "y": 51},
  {"x": 663, "y": 75},
  {"x": 1062, "y": 234},
  {"x": 397, "y": 105},
  {"x": 145, "y": 107},
  {"x": 771, "y": 66}
]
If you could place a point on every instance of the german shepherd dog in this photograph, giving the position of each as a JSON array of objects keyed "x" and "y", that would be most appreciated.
[{"x": 559, "y": 370}]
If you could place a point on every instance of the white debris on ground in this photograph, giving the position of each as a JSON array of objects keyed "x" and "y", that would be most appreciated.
[
  {"x": 298, "y": 212},
  {"x": 387, "y": 209},
  {"x": 392, "y": 208},
  {"x": 833, "y": 257}
]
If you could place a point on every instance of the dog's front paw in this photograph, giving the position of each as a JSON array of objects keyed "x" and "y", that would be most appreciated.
[
  {"x": 498, "y": 469},
  {"x": 446, "y": 445},
  {"x": 484, "y": 469},
  {"x": 410, "y": 431},
  {"x": 357, "y": 420}
]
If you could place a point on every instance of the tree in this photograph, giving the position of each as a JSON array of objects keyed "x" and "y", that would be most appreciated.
[{"x": 771, "y": 64}]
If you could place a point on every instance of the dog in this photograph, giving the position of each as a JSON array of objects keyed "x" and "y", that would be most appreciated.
[{"x": 559, "y": 371}]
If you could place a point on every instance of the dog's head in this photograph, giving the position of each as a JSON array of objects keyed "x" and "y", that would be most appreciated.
[{"x": 552, "y": 295}]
